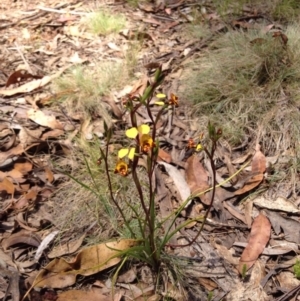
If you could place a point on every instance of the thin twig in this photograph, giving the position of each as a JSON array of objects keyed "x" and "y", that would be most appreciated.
[
  {"x": 53, "y": 10},
  {"x": 28, "y": 68}
]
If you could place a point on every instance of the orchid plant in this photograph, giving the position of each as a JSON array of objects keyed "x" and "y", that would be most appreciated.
[{"x": 145, "y": 143}]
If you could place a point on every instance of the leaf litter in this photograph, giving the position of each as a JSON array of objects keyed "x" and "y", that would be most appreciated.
[{"x": 33, "y": 135}]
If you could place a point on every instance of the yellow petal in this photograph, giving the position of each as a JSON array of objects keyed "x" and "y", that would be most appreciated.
[
  {"x": 144, "y": 129},
  {"x": 199, "y": 147},
  {"x": 131, "y": 133},
  {"x": 123, "y": 152},
  {"x": 161, "y": 95},
  {"x": 159, "y": 103},
  {"x": 131, "y": 153}
]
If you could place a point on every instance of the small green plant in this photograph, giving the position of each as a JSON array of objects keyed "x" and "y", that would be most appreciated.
[
  {"x": 210, "y": 296},
  {"x": 296, "y": 269},
  {"x": 244, "y": 271},
  {"x": 104, "y": 22}
]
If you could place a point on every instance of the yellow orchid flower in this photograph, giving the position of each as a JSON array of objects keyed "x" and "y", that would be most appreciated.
[
  {"x": 146, "y": 143},
  {"x": 121, "y": 168}
]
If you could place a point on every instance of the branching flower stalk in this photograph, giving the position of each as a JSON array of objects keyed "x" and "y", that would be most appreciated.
[{"x": 214, "y": 136}]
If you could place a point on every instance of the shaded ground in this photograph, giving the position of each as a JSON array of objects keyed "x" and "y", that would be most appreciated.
[{"x": 52, "y": 115}]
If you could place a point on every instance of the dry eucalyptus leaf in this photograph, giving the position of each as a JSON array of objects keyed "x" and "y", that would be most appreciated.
[
  {"x": 23, "y": 167},
  {"x": 279, "y": 203},
  {"x": 259, "y": 162},
  {"x": 268, "y": 251},
  {"x": 67, "y": 248},
  {"x": 77, "y": 295},
  {"x": 7, "y": 185},
  {"x": 45, "y": 120},
  {"x": 32, "y": 85},
  {"x": 21, "y": 237},
  {"x": 290, "y": 227},
  {"x": 248, "y": 213},
  {"x": 197, "y": 178},
  {"x": 26, "y": 199},
  {"x": 60, "y": 273},
  {"x": 14, "y": 151},
  {"x": 179, "y": 181},
  {"x": 252, "y": 183},
  {"x": 258, "y": 239},
  {"x": 226, "y": 254}
]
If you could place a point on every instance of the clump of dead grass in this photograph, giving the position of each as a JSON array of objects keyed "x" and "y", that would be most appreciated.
[
  {"x": 247, "y": 83},
  {"x": 280, "y": 10},
  {"x": 77, "y": 207},
  {"x": 83, "y": 86}
]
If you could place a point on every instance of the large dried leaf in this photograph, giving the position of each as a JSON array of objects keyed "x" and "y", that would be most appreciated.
[
  {"x": 21, "y": 237},
  {"x": 23, "y": 167},
  {"x": 253, "y": 182},
  {"x": 19, "y": 171},
  {"x": 5, "y": 156},
  {"x": 259, "y": 162},
  {"x": 290, "y": 227},
  {"x": 67, "y": 248},
  {"x": 45, "y": 120},
  {"x": 279, "y": 203},
  {"x": 234, "y": 211},
  {"x": 60, "y": 273},
  {"x": 178, "y": 180},
  {"x": 77, "y": 295},
  {"x": 26, "y": 199},
  {"x": 7, "y": 185},
  {"x": 258, "y": 239},
  {"x": 32, "y": 85},
  {"x": 258, "y": 167},
  {"x": 197, "y": 178}
]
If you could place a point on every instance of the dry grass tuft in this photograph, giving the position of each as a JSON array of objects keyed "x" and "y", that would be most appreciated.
[
  {"x": 83, "y": 87},
  {"x": 247, "y": 83},
  {"x": 77, "y": 208},
  {"x": 280, "y": 10}
]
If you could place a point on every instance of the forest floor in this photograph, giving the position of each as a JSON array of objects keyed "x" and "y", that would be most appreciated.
[{"x": 227, "y": 142}]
